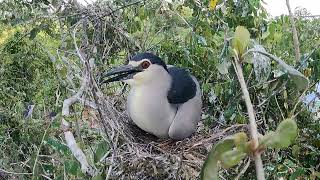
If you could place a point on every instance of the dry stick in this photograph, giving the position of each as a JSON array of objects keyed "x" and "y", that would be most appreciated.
[
  {"x": 295, "y": 33},
  {"x": 67, "y": 103},
  {"x": 253, "y": 125},
  {"x": 245, "y": 168},
  {"x": 14, "y": 173}
]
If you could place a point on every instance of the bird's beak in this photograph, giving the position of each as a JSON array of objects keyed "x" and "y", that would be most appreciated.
[{"x": 123, "y": 72}]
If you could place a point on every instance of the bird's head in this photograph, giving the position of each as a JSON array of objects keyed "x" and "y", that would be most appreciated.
[{"x": 141, "y": 69}]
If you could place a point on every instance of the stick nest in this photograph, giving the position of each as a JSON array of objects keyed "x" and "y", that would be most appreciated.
[{"x": 139, "y": 155}]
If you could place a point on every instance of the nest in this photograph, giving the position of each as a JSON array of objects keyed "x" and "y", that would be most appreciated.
[{"x": 139, "y": 155}]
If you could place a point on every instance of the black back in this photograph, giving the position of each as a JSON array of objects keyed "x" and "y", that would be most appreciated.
[
  {"x": 153, "y": 59},
  {"x": 182, "y": 88}
]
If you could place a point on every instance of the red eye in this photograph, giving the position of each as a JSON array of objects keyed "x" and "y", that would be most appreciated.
[{"x": 145, "y": 64}]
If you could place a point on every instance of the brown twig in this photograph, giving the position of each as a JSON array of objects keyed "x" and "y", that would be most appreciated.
[{"x": 295, "y": 33}]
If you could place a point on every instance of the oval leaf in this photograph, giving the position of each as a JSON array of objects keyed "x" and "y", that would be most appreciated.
[
  {"x": 241, "y": 39},
  {"x": 283, "y": 136}
]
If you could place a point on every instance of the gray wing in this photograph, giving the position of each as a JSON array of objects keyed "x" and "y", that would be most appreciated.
[
  {"x": 182, "y": 88},
  {"x": 187, "y": 117}
]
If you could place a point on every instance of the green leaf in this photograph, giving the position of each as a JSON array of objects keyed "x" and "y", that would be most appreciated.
[
  {"x": 98, "y": 177},
  {"x": 261, "y": 65},
  {"x": 210, "y": 167},
  {"x": 240, "y": 40},
  {"x": 297, "y": 77},
  {"x": 232, "y": 158},
  {"x": 186, "y": 12},
  {"x": 297, "y": 174},
  {"x": 34, "y": 32},
  {"x": 282, "y": 137},
  {"x": 56, "y": 145},
  {"x": 72, "y": 167},
  {"x": 101, "y": 151},
  {"x": 223, "y": 67},
  {"x": 295, "y": 150}
]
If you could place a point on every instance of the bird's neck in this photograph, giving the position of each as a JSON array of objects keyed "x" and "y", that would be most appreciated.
[{"x": 157, "y": 85}]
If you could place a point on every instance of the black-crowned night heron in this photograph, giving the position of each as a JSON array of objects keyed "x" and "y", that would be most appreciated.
[{"x": 163, "y": 100}]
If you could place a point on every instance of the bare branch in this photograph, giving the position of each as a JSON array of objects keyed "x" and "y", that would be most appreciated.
[{"x": 295, "y": 33}]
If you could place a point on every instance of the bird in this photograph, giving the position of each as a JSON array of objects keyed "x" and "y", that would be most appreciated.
[{"x": 164, "y": 100}]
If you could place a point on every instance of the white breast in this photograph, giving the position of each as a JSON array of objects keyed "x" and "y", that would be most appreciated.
[{"x": 150, "y": 110}]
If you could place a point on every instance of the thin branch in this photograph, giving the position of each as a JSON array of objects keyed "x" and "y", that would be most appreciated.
[
  {"x": 14, "y": 173},
  {"x": 70, "y": 139},
  {"x": 279, "y": 107},
  {"x": 75, "y": 43},
  {"x": 295, "y": 33},
  {"x": 38, "y": 153},
  {"x": 244, "y": 169},
  {"x": 310, "y": 16},
  {"x": 253, "y": 125}
]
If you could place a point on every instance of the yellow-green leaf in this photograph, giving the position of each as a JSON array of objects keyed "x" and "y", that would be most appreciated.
[
  {"x": 232, "y": 158},
  {"x": 186, "y": 12},
  {"x": 240, "y": 40},
  {"x": 213, "y": 4},
  {"x": 240, "y": 140}
]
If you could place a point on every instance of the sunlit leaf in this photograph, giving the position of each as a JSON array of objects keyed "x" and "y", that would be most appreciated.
[
  {"x": 240, "y": 40},
  {"x": 213, "y": 4},
  {"x": 186, "y": 12},
  {"x": 240, "y": 140},
  {"x": 261, "y": 64}
]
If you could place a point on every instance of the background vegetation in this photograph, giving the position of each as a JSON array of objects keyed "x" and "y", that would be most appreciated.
[{"x": 40, "y": 67}]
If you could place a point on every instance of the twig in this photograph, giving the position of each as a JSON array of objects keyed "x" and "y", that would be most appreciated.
[
  {"x": 310, "y": 16},
  {"x": 216, "y": 135},
  {"x": 38, "y": 153},
  {"x": 253, "y": 125},
  {"x": 71, "y": 142},
  {"x": 244, "y": 169},
  {"x": 67, "y": 103},
  {"x": 295, "y": 33},
  {"x": 75, "y": 42},
  {"x": 279, "y": 108},
  {"x": 14, "y": 173}
]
